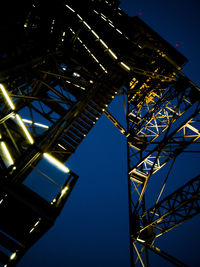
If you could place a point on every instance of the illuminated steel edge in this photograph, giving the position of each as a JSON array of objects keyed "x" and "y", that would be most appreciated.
[
  {"x": 147, "y": 156},
  {"x": 161, "y": 124},
  {"x": 67, "y": 76}
]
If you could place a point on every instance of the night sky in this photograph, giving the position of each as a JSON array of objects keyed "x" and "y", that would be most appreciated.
[{"x": 93, "y": 228}]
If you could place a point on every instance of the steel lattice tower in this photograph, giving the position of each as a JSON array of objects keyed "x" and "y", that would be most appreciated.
[{"x": 62, "y": 70}]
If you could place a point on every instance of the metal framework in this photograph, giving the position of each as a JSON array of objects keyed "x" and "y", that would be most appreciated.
[{"x": 56, "y": 80}]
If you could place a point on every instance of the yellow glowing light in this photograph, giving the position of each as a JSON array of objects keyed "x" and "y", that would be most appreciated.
[
  {"x": 112, "y": 54},
  {"x": 103, "y": 18},
  {"x": 125, "y": 66},
  {"x": 62, "y": 147},
  {"x": 32, "y": 230},
  {"x": 3, "y": 90},
  {"x": 21, "y": 123},
  {"x": 140, "y": 240},
  {"x": 55, "y": 162},
  {"x": 79, "y": 17},
  {"x": 94, "y": 33},
  {"x": 70, "y": 8},
  {"x": 104, "y": 44},
  {"x": 7, "y": 154},
  {"x": 13, "y": 256},
  {"x": 36, "y": 223},
  {"x": 86, "y": 25},
  {"x": 119, "y": 31},
  {"x": 64, "y": 191},
  {"x": 36, "y": 123}
]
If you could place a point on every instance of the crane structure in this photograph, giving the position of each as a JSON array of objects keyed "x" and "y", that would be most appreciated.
[{"x": 62, "y": 68}]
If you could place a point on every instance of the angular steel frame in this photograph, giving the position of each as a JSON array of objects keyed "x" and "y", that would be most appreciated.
[{"x": 159, "y": 129}]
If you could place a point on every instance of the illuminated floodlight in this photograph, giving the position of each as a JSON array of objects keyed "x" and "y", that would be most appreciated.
[
  {"x": 3, "y": 90},
  {"x": 56, "y": 162},
  {"x": 21, "y": 123},
  {"x": 7, "y": 154}
]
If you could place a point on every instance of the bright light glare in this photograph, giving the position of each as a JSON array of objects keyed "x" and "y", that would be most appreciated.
[
  {"x": 12, "y": 257},
  {"x": 7, "y": 96},
  {"x": 70, "y": 8},
  {"x": 36, "y": 123},
  {"x": 79, "y": 17},
  {"x": 86, "y": 25},
  {"x": 29, "y": 137},
  {"x": 64, "y": 191},
  {"x": 36, "y": 223},
  {"x": 119, "y": 31},
  {"x": 140, "y": 240},
  {"x": 32, "y": 230},
  {"x": 75, "y": 74},
  {"x": 7, "y": 154},
  {"x": 62, "y": 147},
  {"x": 125, "y": 66},
  {"x": 105, "y": 45},
  {"x": 55, "y": 162},
  {"x": 112, "y": 54},
  {"x": 94, "y": 33}
]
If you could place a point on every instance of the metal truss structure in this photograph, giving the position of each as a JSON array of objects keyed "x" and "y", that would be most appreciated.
[
  {"x": 163, "y": 120},
  {"x": 62, "y": 71}
]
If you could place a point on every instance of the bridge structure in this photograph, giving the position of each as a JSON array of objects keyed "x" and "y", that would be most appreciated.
[{"x": 59, "y": 74}]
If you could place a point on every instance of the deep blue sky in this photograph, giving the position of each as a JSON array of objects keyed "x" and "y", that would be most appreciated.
[{"x": 92, "y": 230}]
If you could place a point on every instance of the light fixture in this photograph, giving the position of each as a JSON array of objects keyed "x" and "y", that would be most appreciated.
[
  {"x": 3, "y": 90},
  {"x": 86, "y": 25},
  {"x": 125, "y": 66},
  {"x": 94, "y": 33},
  {"x": 75, "y": 74},
  {"x": 56, "y": 162},
  {"x": 7, "y": 154},
  {"x": 70, "y": 8},
  {"x": 13, "y": 256},
  {"x": 112, "y": 54},
  {"x": 140, "y": 240},
  {"x": 36, "y": 123},
  {"x": 21, "y": 123},
  {"x": 64, "y": 190},
  {"x": 102, "y": 42}
]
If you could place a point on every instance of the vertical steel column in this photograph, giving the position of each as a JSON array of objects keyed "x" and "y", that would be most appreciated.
[{"x": 129, "y": 192}]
